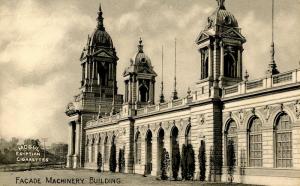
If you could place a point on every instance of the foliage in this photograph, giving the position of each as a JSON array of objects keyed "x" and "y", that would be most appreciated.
[
  {"x": 188, "y": 162},
  {"x": 99, "y": 161},
  {"x": 112, "y": 158},
  {"x": 121, "y": 160},
  {"x": 175, "y": 161},
  {"x": 231, "y": 159},
  {"x": 8, "y": 151},
  {"x": 183, "y": 162},
  {"x": 165, "y": 163},
  {"x": 202, "y": 161}
]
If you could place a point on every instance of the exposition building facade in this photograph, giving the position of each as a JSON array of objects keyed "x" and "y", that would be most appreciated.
[{"x": 261, "y": 117}]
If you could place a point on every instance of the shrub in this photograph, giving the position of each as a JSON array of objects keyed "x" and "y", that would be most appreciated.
[
  {"x": 121, "y": 160},
  {"x": 202, "y": 161},
  {"x": 112, "y": 158},
  {"x": 99, "y": 161},
  {"x": 183, "y": 162},
  {"x": 165, "y": 163},
  {"x": 175, "y": 161},
  {"x": 190, "y": 162},
  {"x": 187, "y": 162},
  {"x": 230, "y": 159}
]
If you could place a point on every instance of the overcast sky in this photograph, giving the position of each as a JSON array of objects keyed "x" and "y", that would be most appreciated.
[{"x": 41, "y": 42}]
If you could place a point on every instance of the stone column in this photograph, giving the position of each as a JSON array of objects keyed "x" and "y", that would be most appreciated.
[
  {"x": 86, "y": 70},
  {"x": 77, "y": 145},
  {"x": 151, "y": 92},
  {"x": 181, "y": 141},
  {"x": 222, "y": 65},
  {"x": 130, "y": 91},
  {"x": 70, "y": 146},
  {"x": 126, "y": 91},
  {"x": 96, "y": 144},
  {"x": 168, "y": 147},
  {"x": 155, "y": 168},
  {"x": 210, "y": 62},
  {"x": 83, "y": 73},
  {"x": 143, "y": 155},
  {"x": 216, "y": 61},
  {"x": 240, "y": 63}
]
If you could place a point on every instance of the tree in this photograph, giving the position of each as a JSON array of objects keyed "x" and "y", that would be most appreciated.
[
  {"x": 190, "y": 162},
  {"x": 183, "y": 162},
  {"x": 99, "y": 161},
  {"x": 165, "y": 163},
  {"x": 121, "y": 160},
  {"x": 202, "y": 161},
  {"x": 112, "y": 158},
  {"x": 187, "y": 162},
  {"x": 175, "y": 161},
  {"x": 231, "y": 159}
]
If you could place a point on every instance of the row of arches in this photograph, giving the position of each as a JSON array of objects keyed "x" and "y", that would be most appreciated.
[
  {"x": 161, "y": 144},
  {"x": 282, "y": 141},
  {"x": 94, "y": 146}
]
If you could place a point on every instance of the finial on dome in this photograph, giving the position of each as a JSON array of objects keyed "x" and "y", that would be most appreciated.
[
  {"x": 221, "y": 4},
  {"x": 100, "y": 19},
  {"x": 100, "y": 9},
  {"x": 140, "y": 46}
]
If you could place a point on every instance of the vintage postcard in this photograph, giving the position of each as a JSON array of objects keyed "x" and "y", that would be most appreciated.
[{"x": 144, "y": 92}]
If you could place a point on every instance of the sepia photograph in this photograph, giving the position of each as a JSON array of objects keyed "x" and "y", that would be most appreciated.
[{"x": 149, "y": 92}]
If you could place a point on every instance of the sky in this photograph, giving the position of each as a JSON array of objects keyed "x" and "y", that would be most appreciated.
[{"x": 41, "y": 42}]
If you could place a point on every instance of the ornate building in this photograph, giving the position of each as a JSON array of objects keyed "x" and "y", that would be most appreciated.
[{"x": 261, "y": 118}]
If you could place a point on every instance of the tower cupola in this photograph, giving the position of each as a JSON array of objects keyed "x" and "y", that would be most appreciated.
[
  {"x": 139, "y": 79},
  {"x": 220, "y": 44}
]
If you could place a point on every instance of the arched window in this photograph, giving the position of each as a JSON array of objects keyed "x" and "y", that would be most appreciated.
[
  {"x": 144, "y": 97},
  {"x": 255, "y": 142},
  {"x": 205, "y": 68},
  {"x": 283, "y": 138},
  {"x": 230, "y": 65},
  {"x": 188, "y": 135},
  {"x": 231, "y": 142},
  {"x": 138, "y": 148}
]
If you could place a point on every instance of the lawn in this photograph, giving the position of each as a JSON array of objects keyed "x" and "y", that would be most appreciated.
[{"x": 85, "y": 177}]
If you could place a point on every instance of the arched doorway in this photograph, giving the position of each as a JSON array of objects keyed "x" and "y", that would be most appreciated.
[
  {"x": 160, "y": 147},
  {"x": 175, "y": 154},
  {"x": 138, "y": 150},
  {"x": 149, "y": 152},
  {"x": 188, "y": 134},
  {"x": 231, "y": 143}
]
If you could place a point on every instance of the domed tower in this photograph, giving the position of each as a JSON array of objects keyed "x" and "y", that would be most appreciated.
[
  {"x": 99, "y": 62},
  {"x": 98, "y": 92},
  {"x": 220, "y": 45},
  {"x": 139, "y": 80}
]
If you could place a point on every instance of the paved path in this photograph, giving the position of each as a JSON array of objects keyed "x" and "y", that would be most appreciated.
[{"x": 85, "y": 177}]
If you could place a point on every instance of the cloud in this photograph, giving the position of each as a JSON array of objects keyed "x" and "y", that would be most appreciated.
[
  {"x": 40, "y": 46},
  {"x": 41, "y": 42}
]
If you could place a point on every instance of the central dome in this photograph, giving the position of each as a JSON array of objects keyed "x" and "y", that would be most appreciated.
[
  {"x": 221, "y": 17},
  {"x": 100, "y": 38}
]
